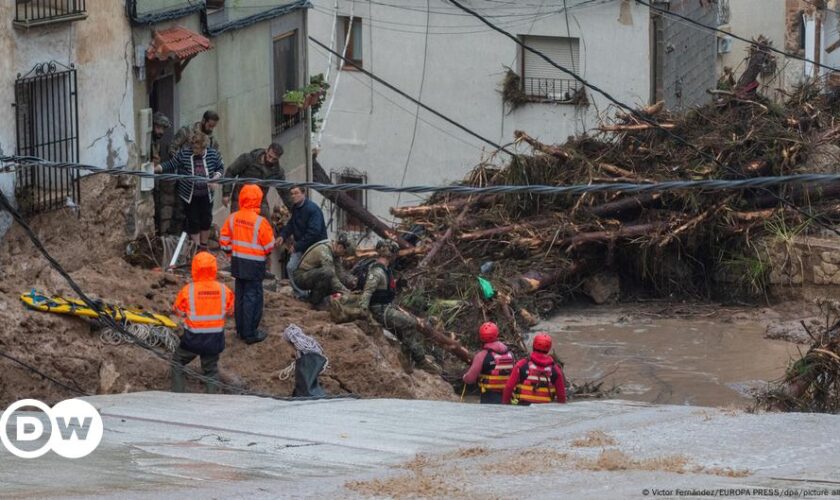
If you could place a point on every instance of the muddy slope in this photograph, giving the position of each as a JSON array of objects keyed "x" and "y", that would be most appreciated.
[{"x": 90, "y": 247}]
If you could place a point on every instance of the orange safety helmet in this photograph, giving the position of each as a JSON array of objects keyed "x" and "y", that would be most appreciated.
[
  {"x": 488, "y": 332},
  {"x": 542, "y": 343}
]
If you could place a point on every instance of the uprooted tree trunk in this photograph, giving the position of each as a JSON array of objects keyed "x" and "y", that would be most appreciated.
[{"x": 353, "y": 207}]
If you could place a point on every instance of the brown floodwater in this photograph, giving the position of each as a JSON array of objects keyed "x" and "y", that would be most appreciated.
[{"x": 672, "y": 361}]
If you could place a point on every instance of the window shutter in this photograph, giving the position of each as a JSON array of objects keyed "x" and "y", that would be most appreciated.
[{"x": 563, "y": 51}]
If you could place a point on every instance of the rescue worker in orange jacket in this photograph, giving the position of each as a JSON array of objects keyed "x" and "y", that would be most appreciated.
[
  {"x": 536, "y": 379},
  {"x": 491, "y": 366},
  {"x": 203, "y": 305},
  {"x": 248, "y": 239}
]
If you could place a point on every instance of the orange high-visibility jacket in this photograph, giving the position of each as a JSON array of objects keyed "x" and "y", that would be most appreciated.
[
  {"x": 245, "y": 234},
  {"x": 204, "y": 303}
]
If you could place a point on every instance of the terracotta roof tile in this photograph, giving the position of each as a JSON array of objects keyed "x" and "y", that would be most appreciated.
[{"x": 177, "y": 43}]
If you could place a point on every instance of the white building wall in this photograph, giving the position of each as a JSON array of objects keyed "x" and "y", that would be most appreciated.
[
  {"x": 370, "y": 128},
  {"x": 100, "y": 48}
]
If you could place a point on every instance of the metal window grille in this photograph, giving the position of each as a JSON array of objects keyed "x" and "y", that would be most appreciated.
[
  {"x": 346, "y": 221},
  {"x": 283, "y": 121},
  {"x": 47, "y": 125},
  {"x": 542, "y": 80},
  {"x": 29, "y": 11}
]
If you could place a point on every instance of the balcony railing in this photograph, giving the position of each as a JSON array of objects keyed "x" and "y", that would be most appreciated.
[
  {"x": 551, "y": 89},
  {"x": 34, "y": 12},
  {"x": 285, "y": 122}
]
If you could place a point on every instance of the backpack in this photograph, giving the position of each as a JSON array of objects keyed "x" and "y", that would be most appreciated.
[{"x": 360, "y": 271}]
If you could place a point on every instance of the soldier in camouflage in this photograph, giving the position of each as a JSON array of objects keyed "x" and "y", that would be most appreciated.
[
  {"x": 184, "y": 135},
  {"x": 379, "y": 292},
  {"x": 321, "y": 271}
]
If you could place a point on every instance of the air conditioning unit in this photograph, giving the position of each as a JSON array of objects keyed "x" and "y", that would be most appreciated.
[{"x": 724, "y": 44}]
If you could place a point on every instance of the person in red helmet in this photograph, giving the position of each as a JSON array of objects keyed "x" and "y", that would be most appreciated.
[
  {"x": 536, "y": 379},
  {"x": 491, "y": 366}
]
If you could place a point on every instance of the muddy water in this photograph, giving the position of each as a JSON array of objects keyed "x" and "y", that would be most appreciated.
[{"x": 672, "y": 361}]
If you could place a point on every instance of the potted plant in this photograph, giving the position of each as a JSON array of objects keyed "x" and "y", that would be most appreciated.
[{"x": 293, "y": 102}]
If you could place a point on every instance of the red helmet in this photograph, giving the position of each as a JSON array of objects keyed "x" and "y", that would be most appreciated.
[
  {"x": 488, "y": 332},
  {"x": 542, "y": 343}
]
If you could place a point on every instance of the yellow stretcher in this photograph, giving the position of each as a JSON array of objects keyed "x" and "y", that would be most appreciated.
[{"x": 40, "y": 302}]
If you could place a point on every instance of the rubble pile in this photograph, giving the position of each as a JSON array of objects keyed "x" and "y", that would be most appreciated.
[{"x": 537, "y": 251}]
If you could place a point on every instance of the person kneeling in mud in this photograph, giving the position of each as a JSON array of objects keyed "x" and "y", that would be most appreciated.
[
  {"x": 378, "y": 294},
  {"x": 321, "y": 272}
]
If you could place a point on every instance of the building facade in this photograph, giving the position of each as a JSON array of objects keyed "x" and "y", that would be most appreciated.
[
  {"x": 459, "y": 66},
  {"x": 84, "y": 78}
]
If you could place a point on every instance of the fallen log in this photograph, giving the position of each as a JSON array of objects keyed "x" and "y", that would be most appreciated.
[
  {"x": 426, "y": 210},
  {"x": 624, "y": 206},
  {"x": 623, "y": 233},
  {"x": 635, "y": 128},
  {"x": 799, "y": 194},
  {"x": 495, "y": 231},
  {"x": 447, "y": 342},
  {"x": 369, "y": 252},
  {"x": 533, "y": 281},
  {"x": 555, "y": 151},
  {"x": 443, "y": 239},
  {"x": 354, "y": 208}
]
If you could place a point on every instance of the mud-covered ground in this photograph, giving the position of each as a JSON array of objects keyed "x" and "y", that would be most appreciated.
[{"x": 90, "y": 248}]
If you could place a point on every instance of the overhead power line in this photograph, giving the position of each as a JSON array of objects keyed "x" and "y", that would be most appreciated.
[
  {"x": 412, "y": 99},
  {"x": 657, "y": 187},
  {"x": 638, "y": 115},
  {"x": 105, "y": 318}
]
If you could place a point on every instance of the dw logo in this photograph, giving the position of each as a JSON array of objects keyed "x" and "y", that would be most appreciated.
[{"x": 75, "y": 429}]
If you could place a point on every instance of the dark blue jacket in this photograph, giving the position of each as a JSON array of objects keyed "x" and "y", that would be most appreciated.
[{"x": 306, "y": 225}]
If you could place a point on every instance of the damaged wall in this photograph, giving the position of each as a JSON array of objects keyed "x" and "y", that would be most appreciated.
[{"x": 100, "y": 48}]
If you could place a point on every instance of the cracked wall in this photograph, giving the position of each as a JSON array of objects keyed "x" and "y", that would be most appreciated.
[{"x": 100, "y": 48}]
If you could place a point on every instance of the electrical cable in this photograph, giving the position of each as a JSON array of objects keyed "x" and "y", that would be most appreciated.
[
  {"x": 32, "y": 369},
  {"x": 427, "y": 108},
  {"x": 634, "y": 112},
  {"x": 419, "y": 98},
  {"x": 541, "y": 189},
  {"x": 111, "y": 323}
]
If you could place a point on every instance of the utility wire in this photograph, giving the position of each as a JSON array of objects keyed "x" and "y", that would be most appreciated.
[
  {"x": 32, "y": 369},
  {"x": 635, "y": 113},
  {"x": 419, "y": 98},
  {"x": 110, "y": 322},
  {"x": 400, "y": 92},
  {"x": 542, "y": 189}
]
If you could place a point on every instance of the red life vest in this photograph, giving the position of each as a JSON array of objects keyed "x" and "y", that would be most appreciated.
[
  {"x": 495, "y": 370},
  {"x": 536, "y": 384}
]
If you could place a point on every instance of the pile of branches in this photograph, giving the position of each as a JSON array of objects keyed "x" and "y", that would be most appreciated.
[
  {"x": 537, "y": 250},
  {"x": 812, "y": 382}
]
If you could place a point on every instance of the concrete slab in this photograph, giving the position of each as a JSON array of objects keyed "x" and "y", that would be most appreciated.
[{"x": 164, "y": 445}]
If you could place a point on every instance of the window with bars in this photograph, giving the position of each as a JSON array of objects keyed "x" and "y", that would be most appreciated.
[
  {"x": 285, "y": 79},
  {"x": 47, "y": 127},
  {"x": 540, "y": 79},
  {"x": 354, "y": 45},
  {"x": 346, "y": 221},
  {"x": 34, "y": 12}
]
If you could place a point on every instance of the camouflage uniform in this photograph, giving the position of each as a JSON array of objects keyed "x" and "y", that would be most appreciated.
[
  {"x": 391, "y": 317},
  {"x": 321, "y": 272},
  {"x": 250, "y": 165},
  {"x": 183, "y": 136}
]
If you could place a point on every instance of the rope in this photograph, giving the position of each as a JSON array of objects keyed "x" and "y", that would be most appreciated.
[
  {"x": 624, "y": 187},
  {"x": 110, "y": 322}
]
